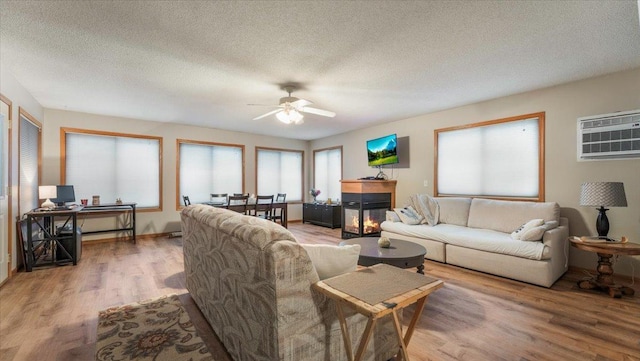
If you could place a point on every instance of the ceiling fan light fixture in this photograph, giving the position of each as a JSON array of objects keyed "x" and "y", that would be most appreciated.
[{"x": 288, "y": 116}]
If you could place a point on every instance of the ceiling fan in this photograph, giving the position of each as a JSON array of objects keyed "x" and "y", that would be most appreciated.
[{"x": 290, "y": 109}]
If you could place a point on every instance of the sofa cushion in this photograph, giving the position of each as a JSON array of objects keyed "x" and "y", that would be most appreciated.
[
  {"x": 454, "y": 210},
  {"x": 330, "y": 260},
  {"x": 506, "y": 216},
  {"x": 480, "y": 239}
]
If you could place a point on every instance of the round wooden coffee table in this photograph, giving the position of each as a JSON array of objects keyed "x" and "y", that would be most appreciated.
[
  {"x": 403, "y": 254},
  {"x": 604, "y": 280}
]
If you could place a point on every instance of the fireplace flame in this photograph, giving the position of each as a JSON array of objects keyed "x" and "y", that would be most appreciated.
[{"x": 369, "y": 225}]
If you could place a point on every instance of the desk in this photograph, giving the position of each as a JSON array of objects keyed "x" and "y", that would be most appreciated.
[
  {"x": 276, "y": 205},
  {"x": 402, "y": 289},
  {"x": 110, "y": 209},
  {"x": 54, "y": 245}
]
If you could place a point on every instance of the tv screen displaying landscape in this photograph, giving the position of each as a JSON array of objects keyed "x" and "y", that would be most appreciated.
[{"x": 384, "y": 150}]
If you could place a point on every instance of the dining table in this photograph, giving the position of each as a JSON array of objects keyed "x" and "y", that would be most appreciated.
[{"x": 241, "y": 208}]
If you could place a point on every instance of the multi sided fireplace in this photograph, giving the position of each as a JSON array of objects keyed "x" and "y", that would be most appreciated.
[
  {"x": 362, "y": 213},
  {"x": 364, "y": 206}
]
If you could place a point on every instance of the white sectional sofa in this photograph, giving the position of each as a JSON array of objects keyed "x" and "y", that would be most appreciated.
[{"x": 476, "y": 233}]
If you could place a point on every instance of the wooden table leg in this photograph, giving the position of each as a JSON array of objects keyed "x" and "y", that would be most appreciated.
[
  {"x": 345, "y": 332},
  {"x": 604, "y": 279},
  {"x": 366, "y": 336},
  {"x": 403, "y": 346},
  {"x": 414, "y": 320}
]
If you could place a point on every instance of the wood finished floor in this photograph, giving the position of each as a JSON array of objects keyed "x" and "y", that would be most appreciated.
[{"x": 51, "y": 314}]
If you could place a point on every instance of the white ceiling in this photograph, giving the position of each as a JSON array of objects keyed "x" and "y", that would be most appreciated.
[{"x": 203, "y": 62}]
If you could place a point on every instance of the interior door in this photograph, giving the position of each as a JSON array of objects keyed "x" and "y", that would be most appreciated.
[{"x": 4, "y": 199}]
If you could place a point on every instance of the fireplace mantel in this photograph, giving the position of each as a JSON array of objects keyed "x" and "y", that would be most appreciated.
[{"x": 370, "y": 186}]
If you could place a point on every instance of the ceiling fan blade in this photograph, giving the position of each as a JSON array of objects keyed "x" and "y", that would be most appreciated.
[
  {"x": 324, "y": 113},
  {"x": 301, "y": 103},
  {"x": 267, "y": 114}
]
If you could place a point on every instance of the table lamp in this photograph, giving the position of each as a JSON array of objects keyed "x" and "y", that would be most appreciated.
[
  {"x": 603, "y": 194},
  {"x": 47, "y": 192}
]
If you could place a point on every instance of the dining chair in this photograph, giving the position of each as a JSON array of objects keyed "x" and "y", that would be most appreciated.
[
  {"x": 219, "y": 198},
  {"x": 238, "y": 203},
  {"x": 262, "y": 207},
  {"x": 186, "y": 200},
  {"x": 276, "y": 213},
  {"x": 241, "y": 194}
]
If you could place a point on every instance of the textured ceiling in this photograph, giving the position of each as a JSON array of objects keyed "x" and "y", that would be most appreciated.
[{"x": 203, "y": 62}]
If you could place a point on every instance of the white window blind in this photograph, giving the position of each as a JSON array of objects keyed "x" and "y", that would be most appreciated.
[
  {"x": 207, "y": 169},
  {"x": 125, "y": 167},
  {"x": 29, "y": 171},
  {"x": 495, "y": 160},
  {"x": 327, "y": 172},
  {"x": 3, "y": 152},
  {"x": 280, "y": 171}
]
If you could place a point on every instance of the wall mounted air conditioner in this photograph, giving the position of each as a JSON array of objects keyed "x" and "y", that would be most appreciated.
[{"x": 609, "y": 136}]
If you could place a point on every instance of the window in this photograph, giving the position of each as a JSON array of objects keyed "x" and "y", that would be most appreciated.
[
  {"x": 113, "y": 165},
  {"x": 29, "y": 158},
  {"x": 279, "y": 171},
  {"x": 207, "y": 168},
  {"x": 327, "y": 172},
  {"x": 501, "y": 159},
  {"x": 5, "y": 140}
]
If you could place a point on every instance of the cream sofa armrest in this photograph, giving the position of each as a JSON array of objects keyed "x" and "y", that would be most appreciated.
[{"x": 557, "y": 237}]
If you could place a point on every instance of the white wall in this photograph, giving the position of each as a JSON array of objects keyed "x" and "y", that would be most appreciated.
[
  {"x": 563, "y": 104},
  {"x": 168, "y": 220},
  {"x": 20, "y": 98}
]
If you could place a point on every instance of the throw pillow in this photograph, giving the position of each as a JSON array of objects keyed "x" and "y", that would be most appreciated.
[
  {"x": 408, "y": 215},
  {"x": 392, "y": 217},
  {"x": 330, "y": 260},
  {"x": 536, "y": 233},
  {"x": 517, "y": 234}
]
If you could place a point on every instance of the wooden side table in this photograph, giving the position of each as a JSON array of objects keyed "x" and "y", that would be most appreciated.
[
  {"x": 349, "y": 289},
  {"x": 604, "y": 279}
]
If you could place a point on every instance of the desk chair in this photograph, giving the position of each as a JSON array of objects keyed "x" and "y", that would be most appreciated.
[
  {"x": 263, "y": 207},
  {"x": 219, "y": 197},
  {"x": 186, "y": 201},
  {"x": 276, "y": 213},
  {"x": 238, "y": 204}
]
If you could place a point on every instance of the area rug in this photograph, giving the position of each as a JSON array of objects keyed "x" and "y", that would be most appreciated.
[{"x": 158, "y": 329}]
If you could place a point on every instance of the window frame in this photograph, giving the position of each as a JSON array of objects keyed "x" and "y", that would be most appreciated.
[
  {"x": 258, "y": 149},
  {"x": 242, "y": 147},
  {"x": 541, "y": 155},
  {"x": 315, "y": 151},
  {"x": 63, "y": 157}
]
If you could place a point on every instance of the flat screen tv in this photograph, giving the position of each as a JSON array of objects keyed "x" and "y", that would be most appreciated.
[
  {"x": 65, "y": 194},
  {"x": 383, "y": 150}
]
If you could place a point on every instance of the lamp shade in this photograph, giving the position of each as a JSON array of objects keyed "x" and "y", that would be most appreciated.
[
  {"x": 603, "y": 194},
  {"x": 47, "y": 192}
]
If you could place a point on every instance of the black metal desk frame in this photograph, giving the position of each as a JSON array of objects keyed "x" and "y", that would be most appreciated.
[
  {"x": 45, "y": 221},
  {"x": 113, "y": 208}
]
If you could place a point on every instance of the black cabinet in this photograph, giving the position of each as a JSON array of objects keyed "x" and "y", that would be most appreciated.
[{"x": 327, "y": 215}]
